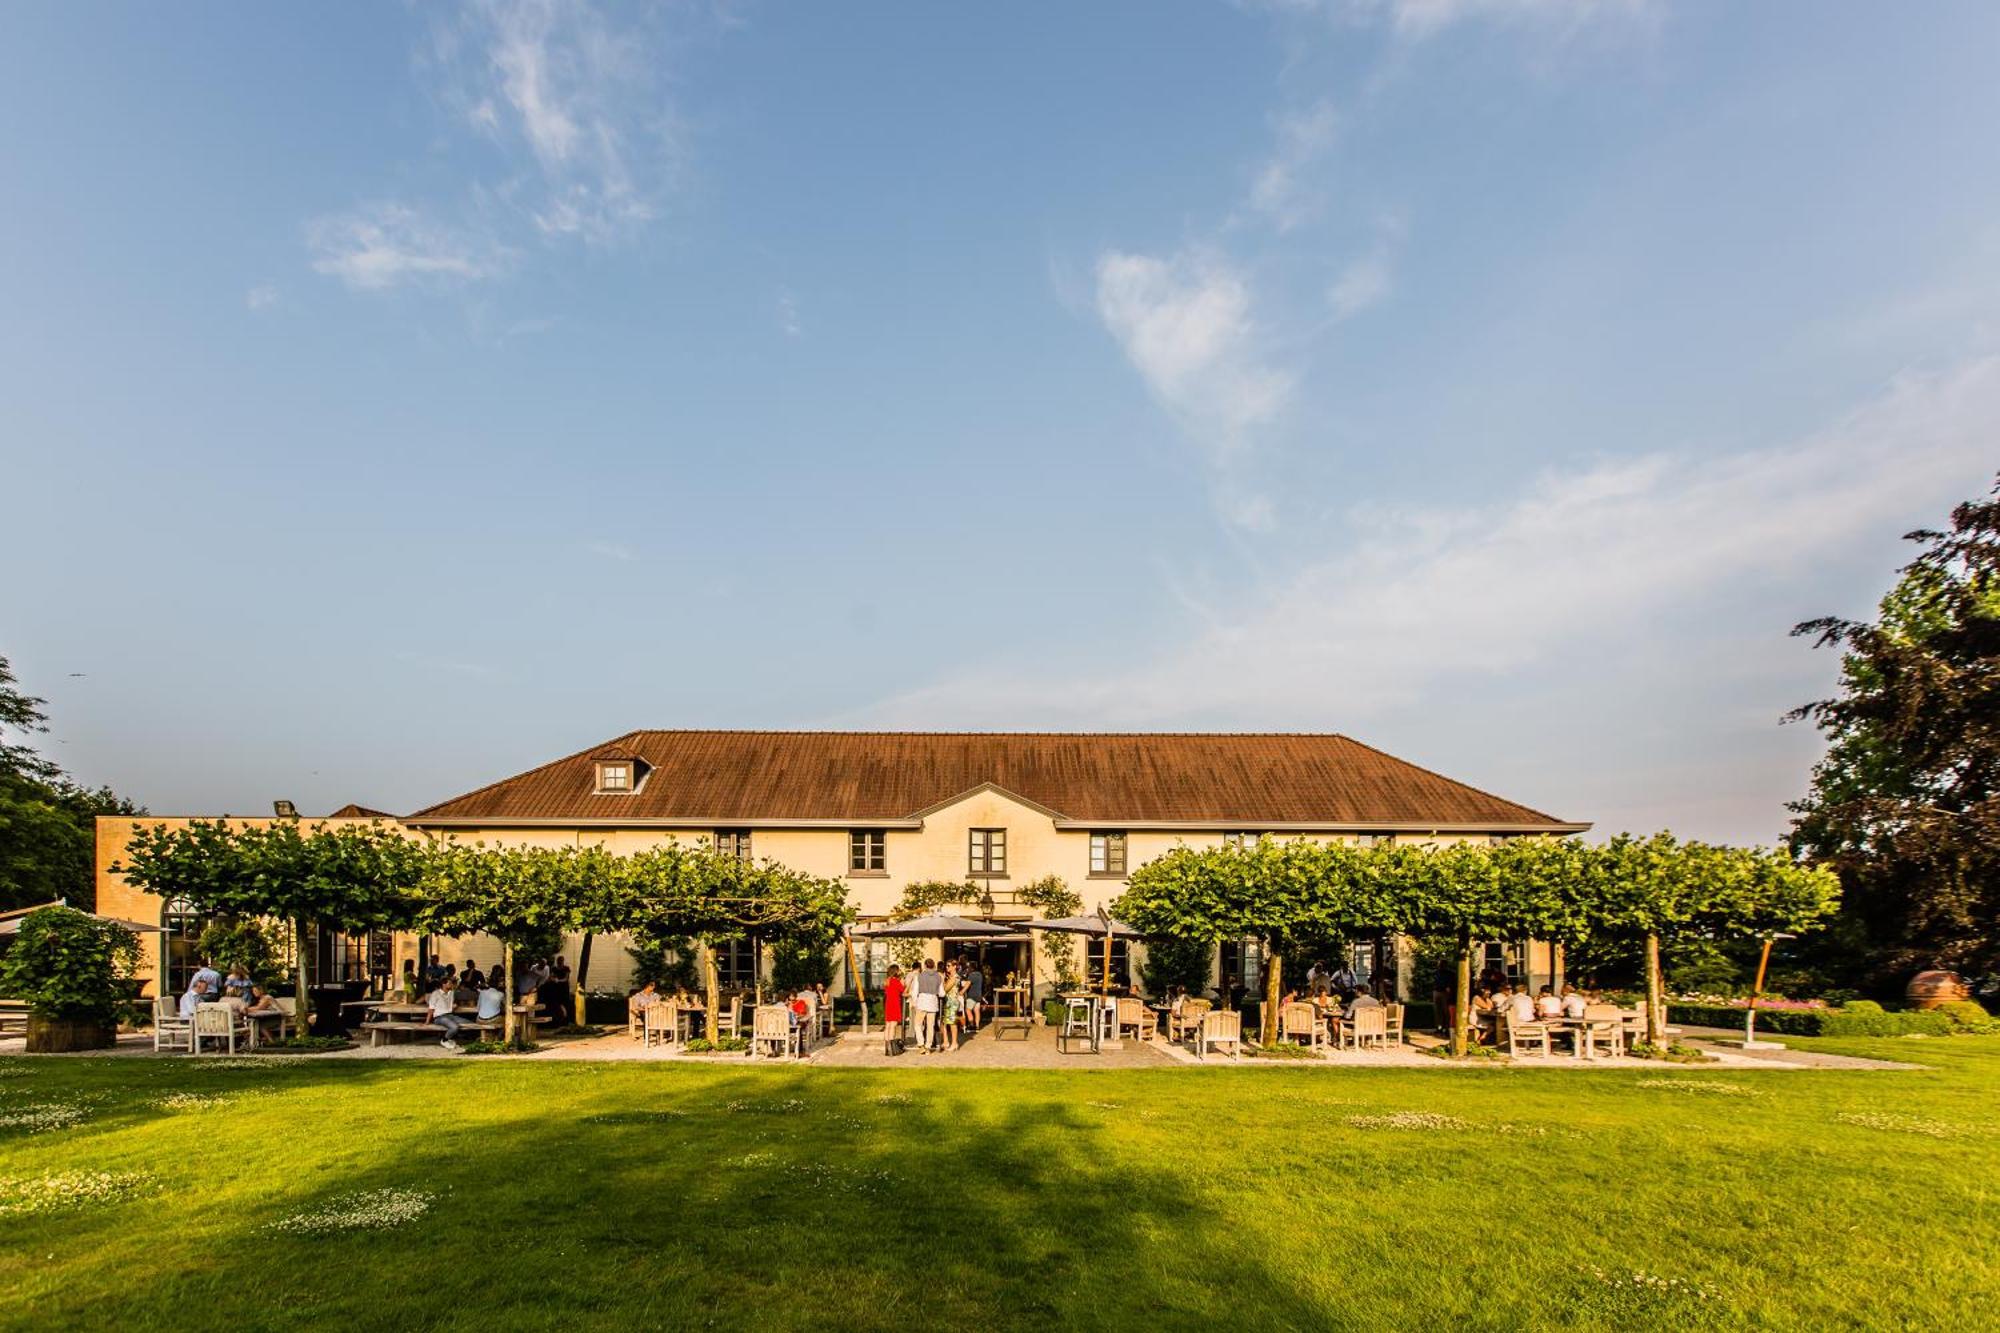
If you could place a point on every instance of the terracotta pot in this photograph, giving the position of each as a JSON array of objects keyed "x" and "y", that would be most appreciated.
[
  {"x": 1928, "y": 990},
  {"x": 50, "y": 1035}
]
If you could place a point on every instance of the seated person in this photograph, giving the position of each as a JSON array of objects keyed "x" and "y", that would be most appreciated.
[
  {"x": 470, "y": 977},
  {"x": 1361, "y": 1000},
  {"x": 1573, "y": 1003},
  {"x": 237, "y": 983},
  {"x": 644, "y": 998},
  {"x": 439, "y": 1008},
  {"x": 1520, "y": 1006},
  {"x": 262, "y": 1002},
  {"x": 1547, "y": 1005},
  {"x": 492, "y": 1001},
  {"x": 197, "y": 994}
]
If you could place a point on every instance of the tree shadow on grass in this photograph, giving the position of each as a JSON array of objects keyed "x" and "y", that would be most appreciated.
[{"x": 659, "y": 1197}]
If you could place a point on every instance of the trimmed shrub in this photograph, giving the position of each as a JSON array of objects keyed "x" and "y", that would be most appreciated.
[
  {"x": 1967, "y": 1016},
  {"x": 1853, "y": 1021}
]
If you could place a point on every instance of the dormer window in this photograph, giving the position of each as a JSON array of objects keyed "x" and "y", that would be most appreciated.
[{"x": 614, "y": 777}]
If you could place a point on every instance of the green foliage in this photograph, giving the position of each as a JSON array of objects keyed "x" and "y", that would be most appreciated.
[
  {"x": 1968, "y": 1017},
  {"x": 1281, "y": 1050},
  {"x": 1054, "y": 899},
  {"x": 720, "y": 1046},
  {"x": 352, "y": 877},
  {"x": 68, "y": 964},
  {"x": 1867, "y": 1020},
  {"x": 304, "y": 1043},
  {"x": 47, "y": 822},
  {"x": 926, "y": 897},
  {"x": 1676, "y": 1053},
  {"x": 1906, "y": 803},
  {"x": 796, "y": 964},
  {"x": 226, "y": 942},
  {"x": 1172, "y": 961},
  {"x": 498, "y": 1047},
  {"x": 667, "y": 962}
]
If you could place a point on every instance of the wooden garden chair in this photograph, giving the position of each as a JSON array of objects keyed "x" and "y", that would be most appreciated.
[
  {"x": 1395, "y": 1023},
  {"x": 219, "y": 1023},
  {"x": 1133, "y": 1013},
  {"x": 1518, "y": 1035},
  {"x": 1607, "y": 1024},
  {"x": 661, "y": 1022},
  {"x": 771, "y": 1030},
  {"x": 1302, "y": 1023},
  {"x": 171, "y": 1032},
  {"x": 1219, "y": 1028},
  {"x": 1188, "y": 1020}
]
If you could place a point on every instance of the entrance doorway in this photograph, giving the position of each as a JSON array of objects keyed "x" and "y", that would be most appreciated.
[{"x": 1000, "y": 958}]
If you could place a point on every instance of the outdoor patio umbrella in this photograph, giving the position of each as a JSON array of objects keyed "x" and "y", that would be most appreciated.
[
  {"x": 1098, "y": 923},
  {"x": 11, "y": 924},
  {"x": 932, "y": 928}
]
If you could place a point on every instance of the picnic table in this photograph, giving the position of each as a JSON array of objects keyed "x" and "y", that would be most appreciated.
[{"x": 404, "y": 1016}]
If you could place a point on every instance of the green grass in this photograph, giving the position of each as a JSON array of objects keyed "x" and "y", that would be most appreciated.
[{"x": 617, "y": 1196}]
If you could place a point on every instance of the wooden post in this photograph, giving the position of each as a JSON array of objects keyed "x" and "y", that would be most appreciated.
[
  {"x": 1756, "y": 991},
  {"x": 508, "y": 1026},
  {"x": 1461, "y": 1010},
  {"x": 1655, "y": 1003},
  {"x": 576, "y": 1000},
  {"x": 859, "y": 987},
  {"x": 1107, "y": 961},
  {"x": 714, "y": 990}
]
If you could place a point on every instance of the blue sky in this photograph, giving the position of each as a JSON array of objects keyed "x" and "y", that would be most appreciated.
[{"x": 398, "y": 396}]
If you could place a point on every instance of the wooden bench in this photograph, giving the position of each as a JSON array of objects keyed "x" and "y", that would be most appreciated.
[
  {"x": 13, "y": 1018},
  {"x": 380, "y": 1026}
]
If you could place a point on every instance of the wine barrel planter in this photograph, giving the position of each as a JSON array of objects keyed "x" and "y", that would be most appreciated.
[
  {"x": 1928, "y": 990},
  {"x": 48, "y": 1036}
]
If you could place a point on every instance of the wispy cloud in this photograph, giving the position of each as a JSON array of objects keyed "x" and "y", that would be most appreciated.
[
  {"x": 1279, "y": 192},
  {"x": 788, "y": 315},
  {"x": 1184, "y": 322},
  {"x": 612, "y": 551},
  {"x": 1367, "y": 280},
  {"x": 582, "y": 97},
  {"x": 1421, "y": 18},
  {"x": 261, "y": 297},
  {"x": 387, "y": 245},
  {"x": 1564, "y": 569}
]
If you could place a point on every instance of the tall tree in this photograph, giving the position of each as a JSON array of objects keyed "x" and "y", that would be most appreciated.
[
  {"x": 1906, "y": 803},
  {"x": 48, "y": 825}
]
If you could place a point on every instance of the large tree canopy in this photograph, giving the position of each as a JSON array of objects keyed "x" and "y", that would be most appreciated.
[
  {"x": 1906, "y": 803},
  {"x": 47, "y": 821}
]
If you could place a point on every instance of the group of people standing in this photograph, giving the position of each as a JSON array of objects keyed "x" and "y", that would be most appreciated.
[{"x": 947, "y": 1003}]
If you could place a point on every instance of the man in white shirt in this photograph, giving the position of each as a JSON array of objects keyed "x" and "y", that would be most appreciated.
[
  {"x": 930, "y": 987},
  {"x": 198, "y": 993},
  {"x": 1521, "y": 1007},
  {"x": 492, "y": 1000},
  {"x": 440, "y": 1004},
  {"x": 1573, "y": 1003},
  {"x": 1547, "y": 1005}
]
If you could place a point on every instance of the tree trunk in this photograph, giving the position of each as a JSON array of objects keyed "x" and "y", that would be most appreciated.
[
  {"x": 302, "y": 944},
  {"x": 714, "y": 991},
  {"x": 509, "y": 1026},
  {"x": 1461, "y": 1009},
  {"x": 576, "y": 1000},
  {"x": 856, "y": 984},
  {"x": 1274, "y": 970},
  {"x": 1656, "y": 1018}
]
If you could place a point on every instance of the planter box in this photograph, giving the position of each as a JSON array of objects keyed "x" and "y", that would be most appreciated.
[{"x": 49, "y": 1036}]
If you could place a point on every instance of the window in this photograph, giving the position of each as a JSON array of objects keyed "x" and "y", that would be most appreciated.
[
  {"x": 733, "y": 842},
  {"x": 1376, "y": 840},
  {"x": 867, "y": 852},
  {"x": 1121, "y": 960},
  {"x": 1241, "y": 839},
  {"x": 1244, "y": 960},
  {"x": 614, "y": 777},
  {"x": 988, "y": 854},
  {"x": 1107, "y": 854},
  {"x": 736, "y": 963},
  {"x": 184, "y": 926}
]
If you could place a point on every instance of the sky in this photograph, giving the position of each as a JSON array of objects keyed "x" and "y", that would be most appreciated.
[{"x": 394, "y": 397}]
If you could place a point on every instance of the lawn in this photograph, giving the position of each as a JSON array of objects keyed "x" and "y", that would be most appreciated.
[{"x": 615, "y": 1196}]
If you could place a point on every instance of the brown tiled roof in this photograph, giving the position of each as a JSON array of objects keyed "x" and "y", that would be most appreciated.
[
  {"x": 708, "y": 777},
  {"x": 353, "y": 811}
]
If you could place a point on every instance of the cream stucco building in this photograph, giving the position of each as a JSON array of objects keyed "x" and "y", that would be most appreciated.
[{"x": 993, "y": 811}]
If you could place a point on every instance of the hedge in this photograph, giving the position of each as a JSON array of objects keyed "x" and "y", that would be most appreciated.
[{"x": 1818, "y": 1022}]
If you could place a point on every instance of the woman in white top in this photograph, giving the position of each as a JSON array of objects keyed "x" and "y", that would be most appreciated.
[{"x": 1547, "y": 1005}]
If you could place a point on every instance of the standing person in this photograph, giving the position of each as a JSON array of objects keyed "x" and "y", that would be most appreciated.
[
  {"x": 237, "y": 983},
  {"x": 1444, "y": 990},
  {"x": 892, "y": 1011},
  {"x": 470, "y": 975},
  {"x": 975, "y": 994},
  {"x": 556, "y": 993},
  {"x": 930, "y": 988},
  {"x": 954, "y": 1005}
]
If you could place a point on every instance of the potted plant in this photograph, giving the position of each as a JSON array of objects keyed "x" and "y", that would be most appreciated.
[{"x": 70, "y": 967}]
